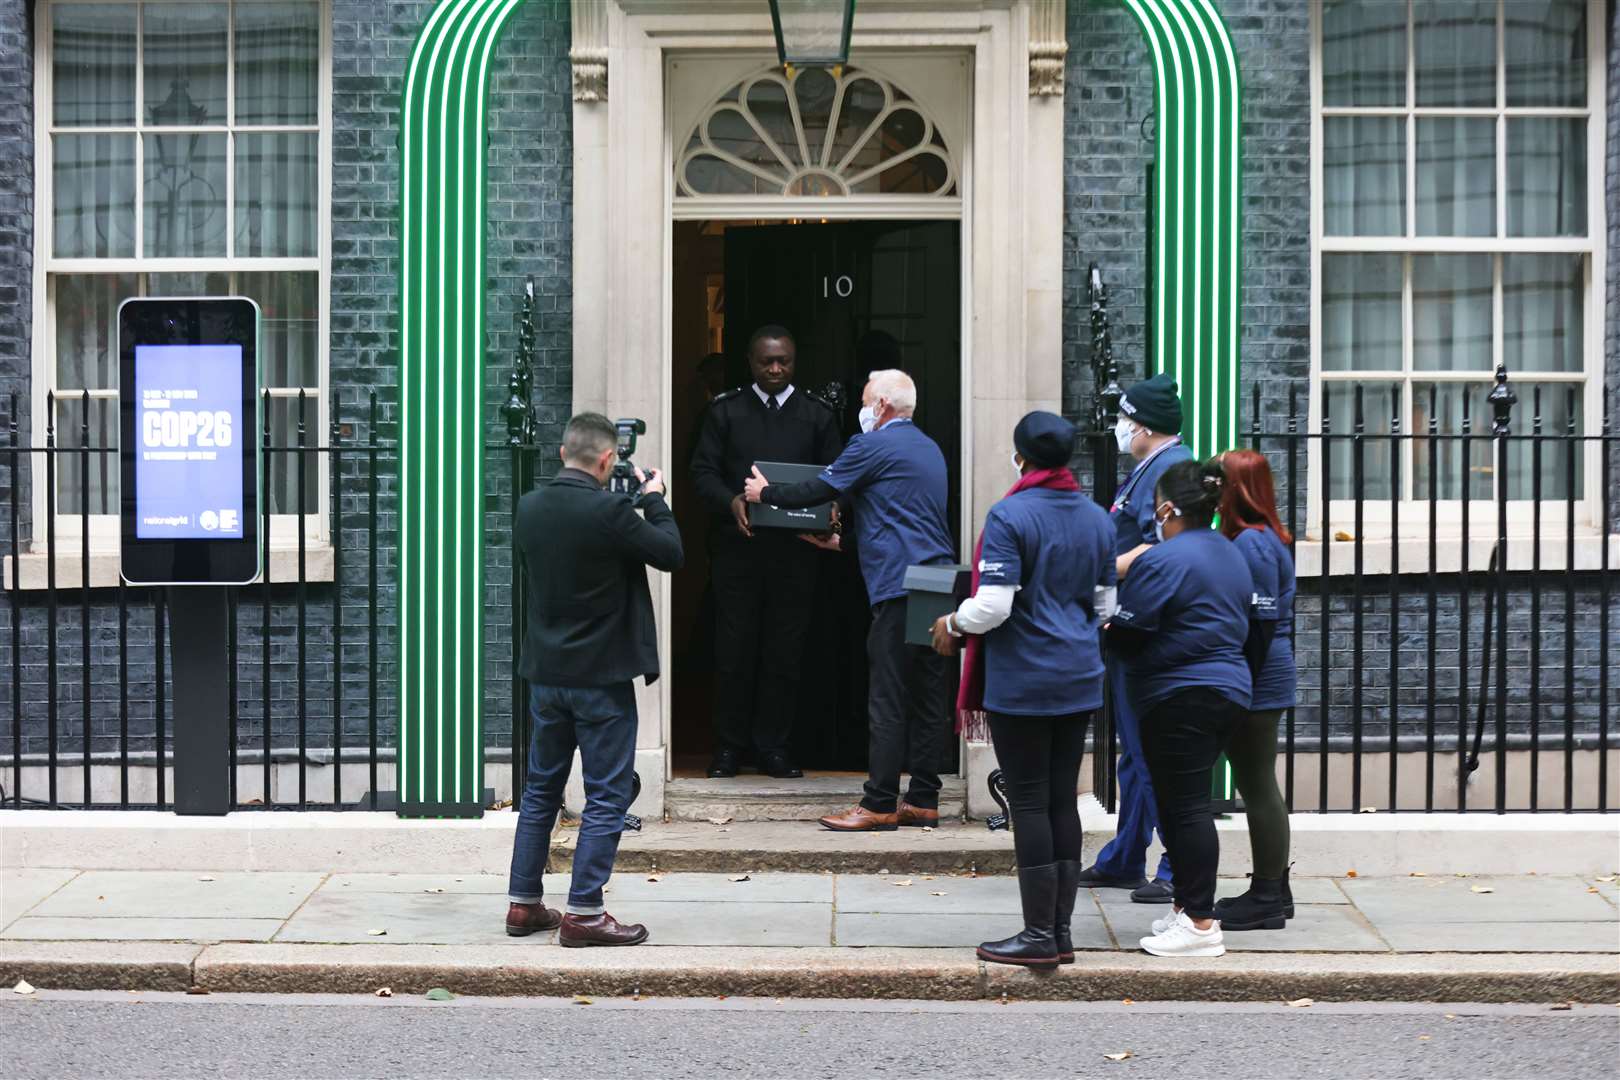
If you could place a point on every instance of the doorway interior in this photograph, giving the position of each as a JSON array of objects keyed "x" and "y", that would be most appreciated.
[{"x": 847, "y": 290}]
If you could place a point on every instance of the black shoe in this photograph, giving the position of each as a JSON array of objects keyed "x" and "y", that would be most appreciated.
[
  {"x": 775, "y": 764},
  {"x": 1092, "y": 878},
  {"x": 1287, "y": 893},
  {"x": 1035, "y": 946},
  {"x": 723, "y": 765},
  {"x": 1068, "y": 888},
  {"x": 1260, "y": 908},
  {"x": 1154, "y": 892}
]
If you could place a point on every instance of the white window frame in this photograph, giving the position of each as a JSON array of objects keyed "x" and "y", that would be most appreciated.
[
  {"x": 104, "y": 529},
  {"x": 1414, "y": 516}
]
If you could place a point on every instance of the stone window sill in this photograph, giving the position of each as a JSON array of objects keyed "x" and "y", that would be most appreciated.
[
  {"x": 1377, "y": 553},
  {"x": 104, "y": 568}
]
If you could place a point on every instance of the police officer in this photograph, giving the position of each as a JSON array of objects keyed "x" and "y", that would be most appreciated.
[
  {"x": 1149, "y": 430},
  {"x": 764, "y": 581}
]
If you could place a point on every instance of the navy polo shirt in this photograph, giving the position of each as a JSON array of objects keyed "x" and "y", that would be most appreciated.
[
  {"x": 1193, "y": 595},
  {"x": 1272, "y": 568},
  {"x": 1056, "y": 547},
  {"x": 896, "y": 477},
  {"x": 1134, "y": 504}
]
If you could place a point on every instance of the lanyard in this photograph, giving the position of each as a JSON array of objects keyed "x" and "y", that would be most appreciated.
[{"x": 1122, "y": 499}]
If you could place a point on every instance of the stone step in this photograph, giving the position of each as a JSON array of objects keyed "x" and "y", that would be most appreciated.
[{"x": 760, "y": 798}]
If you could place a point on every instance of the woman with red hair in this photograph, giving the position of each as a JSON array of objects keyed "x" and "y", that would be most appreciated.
[{"x": 1249, "y": 520}]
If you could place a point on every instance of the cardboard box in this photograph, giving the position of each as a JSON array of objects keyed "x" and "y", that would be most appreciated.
[
  {"x": 813, "y": 519},
  {"x": 932, "y": 591}
]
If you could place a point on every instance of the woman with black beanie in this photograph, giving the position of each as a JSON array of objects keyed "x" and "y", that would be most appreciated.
[
  {"x": 1182, "y": 624},
  {"x": 1033, "y": 671}
]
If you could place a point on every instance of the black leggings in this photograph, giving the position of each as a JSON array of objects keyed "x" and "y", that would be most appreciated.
[
  {"x": 1182, "y": 737},
  {"x": 1040, "y": 760}
]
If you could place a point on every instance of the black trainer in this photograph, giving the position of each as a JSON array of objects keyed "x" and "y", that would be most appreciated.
[
  {"x": 1036, "y": 945},
  {"x": 1154, "y": 892},
  {"x": 1262, "y": 907},
  {"x": 724, "y": 764},
  {"x": 1068, "y": 888},
  {"x": 1092, "y": 878}
]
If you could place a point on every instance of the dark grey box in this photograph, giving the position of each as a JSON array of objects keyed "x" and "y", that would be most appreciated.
[
  {"x": 932, "y": 591},
  {"x": 813, "y": 519}
]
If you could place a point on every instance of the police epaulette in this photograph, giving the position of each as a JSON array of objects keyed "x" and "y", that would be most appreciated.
[
  {"x": 819, "y": 400},
  {"x": 726, "y": 395}
]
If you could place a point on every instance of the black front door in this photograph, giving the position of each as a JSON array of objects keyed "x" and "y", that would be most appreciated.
[{"x": 856, "y": 296}]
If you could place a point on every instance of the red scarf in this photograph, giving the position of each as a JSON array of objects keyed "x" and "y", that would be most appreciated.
[{"x": 970, "y": 718}]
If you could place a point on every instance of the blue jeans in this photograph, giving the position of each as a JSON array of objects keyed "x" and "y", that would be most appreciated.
[
  {"x": 601, "y": 722},
  {"x": 1125, "y": 856}
]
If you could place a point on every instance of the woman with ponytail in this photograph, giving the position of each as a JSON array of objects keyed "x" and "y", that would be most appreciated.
[
  {"x": 1033, "y": 671},
  {"x": 1249, "y": 520},
  {"x": 1182, "y": 624}
]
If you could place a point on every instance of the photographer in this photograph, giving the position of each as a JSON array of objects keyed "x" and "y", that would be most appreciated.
[{"x": 590, "y": 633}]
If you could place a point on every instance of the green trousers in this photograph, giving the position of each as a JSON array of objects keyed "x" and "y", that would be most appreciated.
[{"x": 1253, "y": 754}]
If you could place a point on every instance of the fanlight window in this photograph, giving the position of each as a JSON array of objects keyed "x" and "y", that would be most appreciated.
[{"x": 810, "y": 133}]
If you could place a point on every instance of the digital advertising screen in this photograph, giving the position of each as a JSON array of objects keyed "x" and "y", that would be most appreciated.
[{"x": 188, "y": 464}]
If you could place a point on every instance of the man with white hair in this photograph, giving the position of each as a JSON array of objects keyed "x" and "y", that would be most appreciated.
[{"x": 895, "y": 476}]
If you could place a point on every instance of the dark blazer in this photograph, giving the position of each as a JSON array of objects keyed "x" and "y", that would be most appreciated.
[{"x": 586, "y": 551}]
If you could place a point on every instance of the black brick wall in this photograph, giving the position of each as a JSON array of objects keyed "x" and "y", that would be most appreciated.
[{"x": 16, "y": 220}]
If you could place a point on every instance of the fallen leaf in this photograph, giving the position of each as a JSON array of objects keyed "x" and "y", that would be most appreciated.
[
  {"x": 1423, "y": 1038},
  {"x": 1606, "y": 880},
  {"x": 1593, "y": 888},
  {"x": 928, "y": 877},
  {"x": 936, "y": 893},
  {"x": 1369, "y": 810},
  {"x": 1128, "y": 1001},
  {"x": 927, "y": 828},
  {"x": 195, "y": 990},
  {"x": 439, "y": 993},
  {"x": 1451, "y": 1016},
  {"x": 720, "y": 821},
  {"x": 655, "y": 878},
  {"x": 205, "y": 877},
  {"x": 1480, "y": 888},
  {"x": 384, "y": 991},
  {"x": 22, "y": 987},
  {"x": 1563, "y": 1006},
  {"x": 377, "y": 933},
  {"x": 1300, "y": 1003},
  {"x": 740, "y": 877},
  {"x": 901, "y": 882},
  {"x": 583, "y": 1000},
  {"x": 1349, "y": 873},
  {"x": 1123, "y": 1055},
  {"x": 884, "y": 870},
  {"x": 434, "y": 889},
  {"x": 1342, "y": 535},
  {"x": 1462, "y": 875},
  {"x": 1417, "y": 873}
]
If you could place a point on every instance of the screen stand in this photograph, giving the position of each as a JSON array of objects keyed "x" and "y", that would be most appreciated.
[{"x": 197, "y": 644}]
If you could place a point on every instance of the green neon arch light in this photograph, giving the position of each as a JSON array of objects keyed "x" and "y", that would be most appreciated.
[
  {"x": 1198, "y": 213},
  {"x": 441, "y": 580}
]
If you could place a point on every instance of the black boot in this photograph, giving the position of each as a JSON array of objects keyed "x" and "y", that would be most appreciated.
[
  {"x": 1034, "y": 946},
  {"x": 1287, "y": 893},
  {"x": 1261, "y": 908},
  {"x": 1068, "y": 889}
]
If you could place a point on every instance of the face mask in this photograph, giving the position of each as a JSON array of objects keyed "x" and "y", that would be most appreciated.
[
  {"x": 1158, "y": 526},
  {"x": 868, "y": 418},
  {"x": 1124, "y": 432},
  {"x": 1018, "y": 466}
]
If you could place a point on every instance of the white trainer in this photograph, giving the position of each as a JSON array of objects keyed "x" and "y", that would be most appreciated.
[
  {"x": 1160, "y": 925},
  {"x": 1182, "y": 938}
]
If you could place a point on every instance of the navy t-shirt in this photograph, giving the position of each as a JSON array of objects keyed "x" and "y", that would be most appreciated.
[
  {"x": 1193, "y": 594},
  {"x": 1134, "y": 504},
  {"x": 1056, "y": 547},
  {"x": 1273, "y": 571},
  {"x": 896, "y": 476}
]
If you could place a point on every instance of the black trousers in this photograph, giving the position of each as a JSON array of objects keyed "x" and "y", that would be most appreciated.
[
  {"x": 1182, "y": 737},
  {"x": 764, "y": 593},
  {"x": 907, "y": 716},
  {"x": 1040, "y": 761}
]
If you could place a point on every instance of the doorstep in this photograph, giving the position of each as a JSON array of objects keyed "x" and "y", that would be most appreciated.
[{"x": 751, "y": 797}]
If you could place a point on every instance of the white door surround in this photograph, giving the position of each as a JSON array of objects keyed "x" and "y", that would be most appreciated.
[{"x": 1010, "y": 152}]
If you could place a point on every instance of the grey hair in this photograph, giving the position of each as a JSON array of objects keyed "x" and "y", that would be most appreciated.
[
  {"x": 897, "y": 387},
  {"x": 587, "y": 437}
]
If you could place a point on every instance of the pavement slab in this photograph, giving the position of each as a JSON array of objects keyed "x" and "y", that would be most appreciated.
[
  {"x": 759, "y": 888},
  {"x": 22, "y": 889},
  {"x": 736, "y": 923},
  {"x": 118, "y": 928},
  {"x": 1477, "y": 899},
  {"x": 407, "y": 917},
  {"x": 99, "y": 965},
  {"x": 961, "y": 931},
  {"x": 928, "y": 895},
  {"x": 1504, "y": 937},
  {"x": 1315, "y": 928},
  {"x": 175, "y": 894}
]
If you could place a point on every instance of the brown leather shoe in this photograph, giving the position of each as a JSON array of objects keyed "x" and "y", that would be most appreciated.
[
  {"x": 859, "y": 819},
  {"x": 578, "y": 931},
  {"x": 525, "y": 919},
  {"x": 916, "y": 815}
]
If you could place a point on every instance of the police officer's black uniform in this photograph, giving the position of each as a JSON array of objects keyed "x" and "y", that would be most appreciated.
[{"x": 764, "y": 585}]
